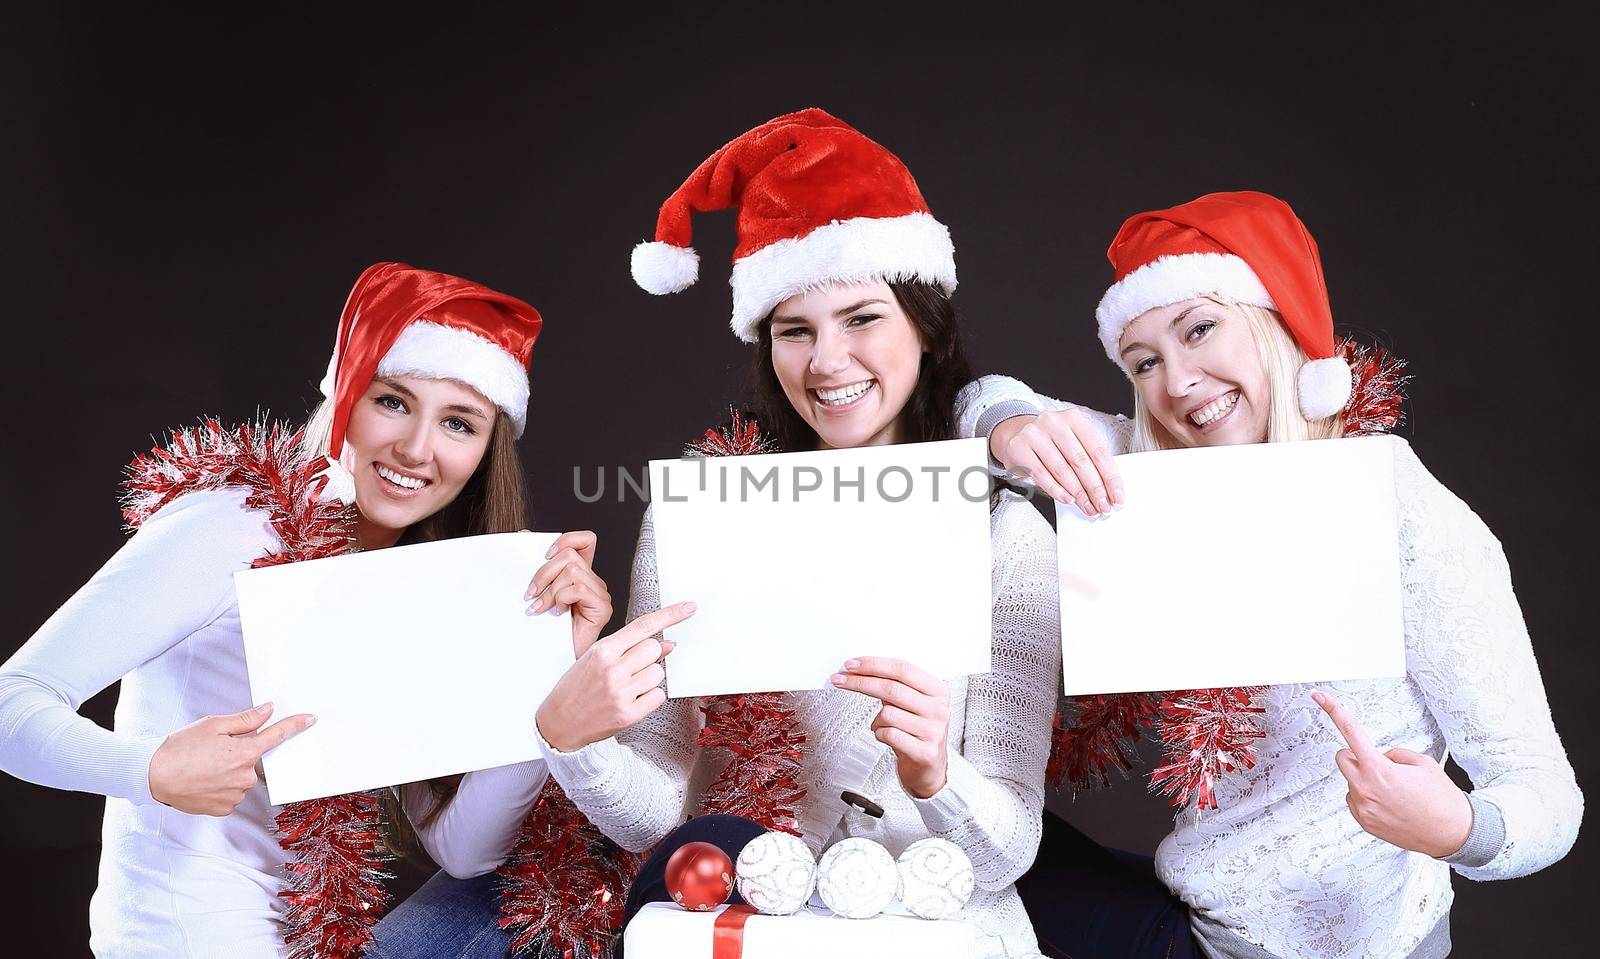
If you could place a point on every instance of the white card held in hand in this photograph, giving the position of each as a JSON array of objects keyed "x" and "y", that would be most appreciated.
[
  {"x": 418, "y": 661},
  {"x": 1265, "y": 563},
  {"x": 799, "y": 561}
]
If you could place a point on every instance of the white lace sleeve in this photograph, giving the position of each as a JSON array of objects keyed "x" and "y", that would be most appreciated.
[
  {"x": 1468, "y": 650},
  {"x": 633, "y": 787},
  {"x": 986, "y": 401}
]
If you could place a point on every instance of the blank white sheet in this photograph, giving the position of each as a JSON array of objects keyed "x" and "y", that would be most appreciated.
[
  {"x": 418, "y": 661},
  {"x": 1266, "y": 563},
  {"x": 792, "y": 582}
]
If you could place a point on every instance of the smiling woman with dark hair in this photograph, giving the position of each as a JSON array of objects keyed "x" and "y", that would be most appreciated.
[{"x": 842, "y": 281}]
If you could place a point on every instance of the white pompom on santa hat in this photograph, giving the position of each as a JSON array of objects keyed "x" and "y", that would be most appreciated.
[
  {"x": 818, "y": 203},
  {"x": 402, "y": 321},
  {"x": 1245, "y": 247}
]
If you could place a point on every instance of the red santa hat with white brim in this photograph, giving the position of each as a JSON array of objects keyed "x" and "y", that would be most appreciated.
[
  {"x": 402, "y": 321},
  {"x": 818, "y": 203},
  {"x": 1245, "y": 247}
]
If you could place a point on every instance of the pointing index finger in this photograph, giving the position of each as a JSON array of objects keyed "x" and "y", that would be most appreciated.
[
  {"x": 1360, "y": 743},
  {"x": 273, "y": 736},
  {"x": 649, "y": 625}
]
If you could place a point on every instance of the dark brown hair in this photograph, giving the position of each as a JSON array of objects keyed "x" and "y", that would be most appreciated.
[
  {"x": 930, "y": 412},
  {"x": 491, "y": 502}
]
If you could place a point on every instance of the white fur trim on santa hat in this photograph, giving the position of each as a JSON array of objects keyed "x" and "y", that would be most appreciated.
[
  {"x": 1173, "y": 279},
  {"x": 1324, "y": 387},
  {"x": 441, "y": 352},
  {"x": 895, "y": 249},
  {"x": 662, "y": 268}
]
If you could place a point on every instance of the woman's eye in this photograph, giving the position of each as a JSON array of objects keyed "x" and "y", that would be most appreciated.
[
  {"x": 861, "y": 319},
  {"x": 1201, "y": 329},
  {"x": 391, "y": 402},
  {"x": 456, "y": 424},
  {"x": 1144, "y": 366},
  {"x": 792, "y": 333}
]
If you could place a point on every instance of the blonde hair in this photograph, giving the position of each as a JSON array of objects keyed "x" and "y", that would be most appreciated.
[
  {"x": 317, "y": 433},
  {"x": 1281, "y": 358}
]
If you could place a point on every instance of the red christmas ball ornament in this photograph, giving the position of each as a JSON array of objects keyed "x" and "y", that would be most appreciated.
[{"x": 699, "y": 876}]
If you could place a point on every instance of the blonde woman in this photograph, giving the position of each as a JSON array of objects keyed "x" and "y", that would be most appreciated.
[{"x": 1341, "y": 840}]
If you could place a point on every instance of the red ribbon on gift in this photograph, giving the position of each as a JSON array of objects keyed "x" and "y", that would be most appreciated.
[{"x": 728, "y": 932}]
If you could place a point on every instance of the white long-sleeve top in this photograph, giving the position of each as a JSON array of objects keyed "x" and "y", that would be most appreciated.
[
  {"x": 162, "y": 616},
  {"x": 640, "y": 786},
  {"x": 1282, "y": 865}
]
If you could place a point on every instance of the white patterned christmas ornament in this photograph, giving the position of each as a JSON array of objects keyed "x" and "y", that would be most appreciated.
[
  {"x": 935, "y": 878},
  {"x": 857, "y": 878},
  {"x": 776, "y": 873}
]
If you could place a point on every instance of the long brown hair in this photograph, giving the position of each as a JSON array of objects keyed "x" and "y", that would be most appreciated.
[
  {"x": 930, "y": 412},
  {"x": 492, "y": 501}
]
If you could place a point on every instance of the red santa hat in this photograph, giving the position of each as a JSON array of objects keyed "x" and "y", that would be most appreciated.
[
  {"x": 818, "y": 203},
  {"x": 402, "y": 321},
  {"x": 1246, "y": 247}
]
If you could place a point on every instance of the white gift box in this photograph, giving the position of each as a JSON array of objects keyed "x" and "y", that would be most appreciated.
[{"x": 664, "y": 930}]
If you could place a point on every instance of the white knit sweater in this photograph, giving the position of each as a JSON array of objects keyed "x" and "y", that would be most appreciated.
[
  {"x": 1282, "y": 864},
  {"x": 162, "y": 616},
  {"x": 639, "y": 787}
]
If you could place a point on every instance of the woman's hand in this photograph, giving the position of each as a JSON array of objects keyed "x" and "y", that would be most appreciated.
[
  {"x": 914, "y": 720},
  {"x": 614, "y": 684},
  {"x": 208, "y": 766},
  {"x": 567, "y": 581},
  {"x": 1064, "y": 454},
  {"x": 1400, "y": 796}
]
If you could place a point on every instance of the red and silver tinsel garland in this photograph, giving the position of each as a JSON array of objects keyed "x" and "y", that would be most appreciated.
[
  {"x": 761, "y": 780},
  {"x": 1204, "y": 733},
  {"x": 334, "y": 889},
  {"x": 565, "y": 884}
]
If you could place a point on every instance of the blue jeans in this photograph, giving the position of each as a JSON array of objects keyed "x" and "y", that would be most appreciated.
[
  {"x": 1089, "y": 902},
  {"x": 447, "y": 918}
]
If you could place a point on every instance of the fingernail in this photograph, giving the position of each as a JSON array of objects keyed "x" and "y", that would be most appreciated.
[
  {"x": 838, "y": 679},
  {"x": 1104, "y": 504},
  {"x": 264, "y": 707},
  {"x": 311, "y": 721},
  {"x": 532, "y": 610},
  {"x": 1116, "y": 497},
  {"x": 550, "y": 552},
  {"x": 1319, "y": 697},
  {"x": 851, "y": 663},
  {"x": 689, "y": 607},
  {"x": 527, "y": 594}
]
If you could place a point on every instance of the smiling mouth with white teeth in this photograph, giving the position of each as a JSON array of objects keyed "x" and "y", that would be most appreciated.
[
  {"x": 1214, "y": 410},
  {"x": 844, "y": 395},
  {"x": 404, "y": 482}
]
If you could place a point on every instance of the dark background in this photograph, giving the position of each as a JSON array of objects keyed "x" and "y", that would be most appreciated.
[{"x": 189, "y": 198}]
